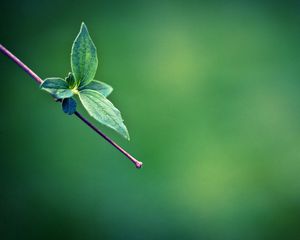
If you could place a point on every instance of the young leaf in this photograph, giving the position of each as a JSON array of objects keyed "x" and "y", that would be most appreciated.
[
  {"x": 57, "y": 87},
  {"x": 69, "y": 105},
  {"x": 98, "y": 86},
  {"x": 84, "y": 61},
  {"x": 103, "y": 111},
  {"x": 71, "y": 80}
]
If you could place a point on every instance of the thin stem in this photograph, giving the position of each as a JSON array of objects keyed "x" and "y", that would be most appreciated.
[
  {"x": 137, "y": 163},
  {"x": 20, "y": 64},
  {"x": 6, "y": 52}
]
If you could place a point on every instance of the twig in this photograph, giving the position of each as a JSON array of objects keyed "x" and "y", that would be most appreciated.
[{"x": 6, "y": 52}]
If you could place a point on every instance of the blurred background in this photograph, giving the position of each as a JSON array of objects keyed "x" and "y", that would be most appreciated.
[{"x": 210, "y": 94}]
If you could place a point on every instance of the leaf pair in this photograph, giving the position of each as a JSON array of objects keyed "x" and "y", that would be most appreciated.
[
  {"x": 92, "y": 93},
  {"x": 65, "y": 88}
]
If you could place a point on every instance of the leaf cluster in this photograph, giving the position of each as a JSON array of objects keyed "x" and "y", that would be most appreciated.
[{"x": 80, "y": 82}]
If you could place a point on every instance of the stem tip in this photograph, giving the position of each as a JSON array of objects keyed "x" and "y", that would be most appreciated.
[{"x": 138, "y": 164}]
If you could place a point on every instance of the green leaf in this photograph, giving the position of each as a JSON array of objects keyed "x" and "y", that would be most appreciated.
[
  {"x": 98, "y": 86},
  {"x": 103, "y": 111},
  {"x": 84, "y": 61},
  {"x": 71, "y": 80},
  {"x": 57, "y": 87},
  {"x": 69, "y": 105}
]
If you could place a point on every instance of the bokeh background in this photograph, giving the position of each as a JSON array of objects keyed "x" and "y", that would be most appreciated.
[{"x": 210, "y": 92}]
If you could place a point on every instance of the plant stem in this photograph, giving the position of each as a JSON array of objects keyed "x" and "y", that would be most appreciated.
[{"x": 6, "y": 52}]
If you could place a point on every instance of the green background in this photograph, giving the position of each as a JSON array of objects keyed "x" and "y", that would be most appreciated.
[{"x": 210, "y": 94}]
